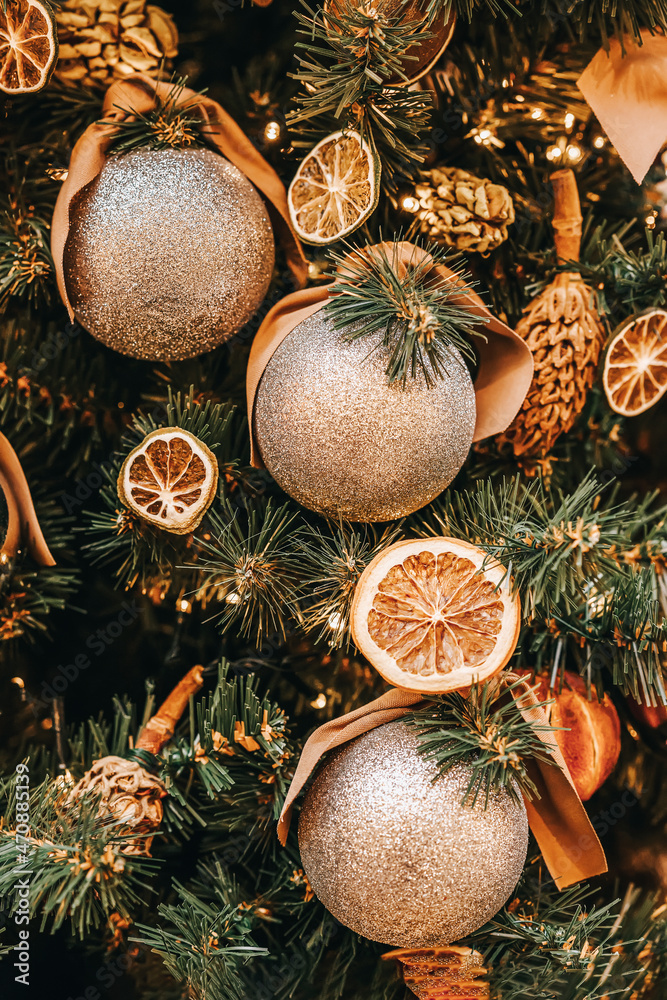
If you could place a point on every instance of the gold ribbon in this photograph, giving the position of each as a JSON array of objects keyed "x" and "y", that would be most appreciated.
[
  {"x": 23, "y": 526},
  {"x": 558, "y": 819},
  {"x": 140, "y": 94},
  {"x": 505, "y": 362},
  {"x": 625, "y": 88}
]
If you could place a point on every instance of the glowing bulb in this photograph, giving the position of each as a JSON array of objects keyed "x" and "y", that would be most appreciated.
[
  {"x": 320, "y": 701},
  {"x": 569, "y": 120},
  {"x": 409, "y": 203},
  {"x": 650, "y": 221},
  {"x": 574, "y": 153},
  {"x": 272, "y": 131},
  {"x": 18, "y": 681},
  {"x": 520, "y": 98},
  {"x": 233, "y": 598},
  {"x": 335, "y": 620},
  {"x": 537, "y": 113},
  {"x": 554, "y": 153},
  {"x": 485, "y": 134},
  {"x": 598, "y": 141},
  {"x": 4, "y": 558},
  {"x": 478, "y": 139},
  {"x": 506, "y": 83},
  {"x": 184, "y": 606}
]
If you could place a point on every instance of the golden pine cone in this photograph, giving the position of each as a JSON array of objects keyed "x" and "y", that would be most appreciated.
[
  {"x": 127, "y": 795},
  {"x": 562, "y": 329},
  {"x": 447, "y": 973},
  {"x": 105, "y": 40},
  {"x": 463, "y": 211}
]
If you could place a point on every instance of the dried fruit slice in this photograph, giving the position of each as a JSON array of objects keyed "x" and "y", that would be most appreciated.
[
  {"x": 335, "y": 188},
  {"x": 28, "y": 45},
  {"x": 169, "y": 480},
  {"x": 635, "y": 365},
  {"x": 429, "y": 618}
]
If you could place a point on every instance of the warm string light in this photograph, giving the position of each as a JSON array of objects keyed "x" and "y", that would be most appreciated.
[
  {"x": 272, "y": 131},
  {"x": 409, "y": 203},
  {"x": 320, "y": 701}
]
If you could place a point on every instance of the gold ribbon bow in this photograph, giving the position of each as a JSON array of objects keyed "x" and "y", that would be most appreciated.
[
  {"x": 140, "y": 94},
  {"x": 505, "y": 362},
  {"x": 625, "y": 88},
  {"x": 559, "y": 822}
]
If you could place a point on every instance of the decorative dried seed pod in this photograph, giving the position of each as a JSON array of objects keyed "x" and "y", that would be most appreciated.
[
  {"x": 104, "y": 40},
  {"x": 463, "y": 211},
  {"x": 127, "y": 794},
  {"x": 562, "y": 328},
  {"x": 442, "y": 973}
]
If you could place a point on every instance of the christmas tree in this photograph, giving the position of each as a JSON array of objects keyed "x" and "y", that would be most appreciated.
[{"x": 332, "y": 538}]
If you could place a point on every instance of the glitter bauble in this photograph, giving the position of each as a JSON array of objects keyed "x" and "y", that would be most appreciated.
[
  {"x": 343, "y": 441},
  {"x": 395, "y": 856},
  {"x": 169, "y": 253}
]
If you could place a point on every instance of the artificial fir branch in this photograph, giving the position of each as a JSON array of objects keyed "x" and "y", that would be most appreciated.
[
  {"x": 415, "y": 310},
  {"x": 493, "y": 737},
  {"x": 331, "y": 562},
  {"x": 171, "y": 124}
]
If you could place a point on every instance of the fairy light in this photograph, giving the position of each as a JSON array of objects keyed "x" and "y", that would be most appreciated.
[
  {"x": 184, "y": 606},
  {"x": 554, "y": 153},
  {"x": 519, "y": 98},
  {"x": 409, "y": 203},
  {"x": 506, "y": 83},
  {"x": 574, "y": 152},
  {"x": 4, "y": 558},
  {"x": 19, "y": 682},
  {"x": 650, "y": 220},
  {"x": 320, "y": 701},
  {"x": 272, "y": 131},
  {"x": 569, "y": 120},
  {"x": 598, "y": 141},
  {"x": 233, "y": 598},
  {"x": 536, "y": 114},
  {"x": 335, "y": 620}
]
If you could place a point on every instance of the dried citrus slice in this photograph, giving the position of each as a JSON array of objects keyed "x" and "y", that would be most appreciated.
[
  {"x": 169, "y": 480},
  {"x": 335, "y": 188},
  {"x": 430, "y": 618},
  {"x": 28, "y": 45},
  {"x": 635, "y": 364}
]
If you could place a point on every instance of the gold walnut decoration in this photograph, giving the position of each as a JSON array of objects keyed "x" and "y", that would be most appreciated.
[
  {"x": 463, "y": 211},
  {"x": 562, "y": 328},
  {"x": 105, "y": 40},
  {"x": 127, "y": 794},
  {"x": 443, "y": 973}
]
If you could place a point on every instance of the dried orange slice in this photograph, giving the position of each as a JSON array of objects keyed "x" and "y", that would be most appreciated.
[
  {"x": 169, "y": 480},
  {"x": 430, "y": 618},
  {"x": 28, "y": 45},
  {"x": 335, "y": 189},
  {"x": 635, "y": 364}
]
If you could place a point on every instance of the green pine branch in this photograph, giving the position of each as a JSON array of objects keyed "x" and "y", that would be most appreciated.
[{"x": 426, "y": 331}]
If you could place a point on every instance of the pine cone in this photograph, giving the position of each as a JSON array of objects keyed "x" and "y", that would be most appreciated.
[
  {"x": 128, "y": 795},
  {"x": 103, "y": 40},
  {"x": 463, "y": 211},
  {"x": 562, "y": 329},
  {"x": 448, "y": 973}
]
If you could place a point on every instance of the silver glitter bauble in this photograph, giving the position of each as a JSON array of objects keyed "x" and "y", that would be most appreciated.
[
  {"x": 343, "y": 441},
  {"x": 169, "y": 253},
  {"x": 393, "y": 854}
]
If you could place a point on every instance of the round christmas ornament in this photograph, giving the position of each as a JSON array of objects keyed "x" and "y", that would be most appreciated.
[
  {"x": 164, "y": 253},
  {"x": 437, "y": 21},
  {"x": 344, "y": 440},
  {"x": 169, "y": 480},
  {"x": 590, "y": 737},
  {"x": 394, "y": 855},
  {"x": 434, "y": 615},
  {"x": 562, "y": 328},
  {"x": 634, "y": 374}
]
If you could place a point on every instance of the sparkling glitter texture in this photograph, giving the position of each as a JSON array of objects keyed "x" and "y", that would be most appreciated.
[
  {"x": 342, "y": 441},
  {"x": 169, "y": 253},
  {"x": 396, "y": 857}
]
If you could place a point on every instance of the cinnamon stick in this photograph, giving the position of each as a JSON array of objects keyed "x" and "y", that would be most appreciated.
[
  {"x": 160, "y": 728},
  {"x": 567, "y": 217}
]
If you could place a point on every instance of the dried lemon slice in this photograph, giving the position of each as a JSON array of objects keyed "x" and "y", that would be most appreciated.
[
  {"x": 28, "y": 45},
  {"x": 169, "y": 480},
  {"x": 635, "y": 364},
  {"x": 335, "y": 188},
  {"x": 429, "y": 618}
]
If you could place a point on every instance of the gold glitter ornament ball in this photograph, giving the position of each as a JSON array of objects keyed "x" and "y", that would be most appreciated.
[
  {"x": 343, "y": 441},
  {"x": 393, "y": 854},
  {"x": 169, "y": 253}
]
